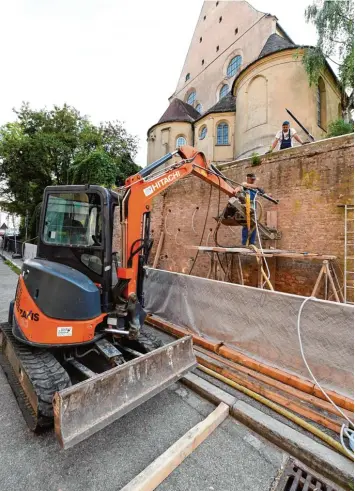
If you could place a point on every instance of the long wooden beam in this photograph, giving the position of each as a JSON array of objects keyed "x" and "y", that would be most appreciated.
[
  {"x": 244, "y": 251},
  {"x": 153, "y": 475}
]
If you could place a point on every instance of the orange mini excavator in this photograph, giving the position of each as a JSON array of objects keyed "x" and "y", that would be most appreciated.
[{"x": 75, "y": 349}]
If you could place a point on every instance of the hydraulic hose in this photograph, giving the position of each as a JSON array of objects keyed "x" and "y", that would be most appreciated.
[{"x": 284, "y": 412}]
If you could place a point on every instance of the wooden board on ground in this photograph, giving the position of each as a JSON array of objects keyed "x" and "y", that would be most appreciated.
[{"x": 164, "y": 465}]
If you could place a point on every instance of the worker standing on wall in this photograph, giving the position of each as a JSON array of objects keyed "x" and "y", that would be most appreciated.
[
  {"x": 251, "y": 189},
  {"x": 285, "y": 137}
]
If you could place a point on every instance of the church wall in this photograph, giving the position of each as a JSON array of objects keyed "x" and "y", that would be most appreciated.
[
  {"x": 310, "y": 181},
  {"x": 254, "y": 28},
  {"x": 263, "y": 92},
  {"x": 162, "y": 138},
  {"x": 214, "y": 152}
]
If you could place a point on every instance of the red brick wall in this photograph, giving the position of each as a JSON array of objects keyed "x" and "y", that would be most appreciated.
[{"x": 309, "y": 181}]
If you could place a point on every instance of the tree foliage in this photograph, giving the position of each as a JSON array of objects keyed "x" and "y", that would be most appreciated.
[
  {"x": 96, "y": 167},
  {"x": 59, "y": 146},
  {"x": 334, "y": 22}
]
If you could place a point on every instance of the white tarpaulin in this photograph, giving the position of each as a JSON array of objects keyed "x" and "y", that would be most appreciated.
[{"x": 260, "y": 323}]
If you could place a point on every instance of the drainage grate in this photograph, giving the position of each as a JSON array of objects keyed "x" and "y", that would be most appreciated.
[{"x": 297, "y": 478}]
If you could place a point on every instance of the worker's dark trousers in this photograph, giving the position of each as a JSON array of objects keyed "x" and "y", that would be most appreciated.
[{"x": 245, "y": 236}]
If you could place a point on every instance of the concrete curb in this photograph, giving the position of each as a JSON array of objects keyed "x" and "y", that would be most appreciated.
[
  {"x": 6, "y": 258},
  {"x": 318, "y": 457}
]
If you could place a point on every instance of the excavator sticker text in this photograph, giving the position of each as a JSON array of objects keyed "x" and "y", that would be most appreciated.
[
  {"x": 33, "y": 316},
  {"x": 161, "y": 183}
]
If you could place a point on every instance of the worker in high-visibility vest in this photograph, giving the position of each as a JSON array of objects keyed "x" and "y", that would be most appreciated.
[{"x": 249, "y": 231}]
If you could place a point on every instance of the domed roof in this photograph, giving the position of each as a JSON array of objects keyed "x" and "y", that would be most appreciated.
[{"x": 178, "y": 111}]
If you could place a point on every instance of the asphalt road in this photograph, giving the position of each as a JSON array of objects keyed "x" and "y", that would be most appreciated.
[{"x": 231, "y": 459}]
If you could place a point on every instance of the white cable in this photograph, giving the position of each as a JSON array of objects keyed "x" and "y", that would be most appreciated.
[
  {"x": 343, "y": 428},
  {"x": 305, "y": 361},
  {"x": 260, "y": 245}
]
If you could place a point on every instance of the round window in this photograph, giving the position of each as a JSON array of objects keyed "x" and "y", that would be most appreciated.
[{"x": 180, "y": 141}]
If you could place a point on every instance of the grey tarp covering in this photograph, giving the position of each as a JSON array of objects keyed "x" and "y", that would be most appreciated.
[{"x": 260, "y": 323}]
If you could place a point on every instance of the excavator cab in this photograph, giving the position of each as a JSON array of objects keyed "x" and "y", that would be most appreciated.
[{"x": 76, "y": 230}]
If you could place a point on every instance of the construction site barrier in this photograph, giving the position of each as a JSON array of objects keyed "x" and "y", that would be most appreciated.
[
  {"x": 260, "y": 323},
  {"x": 10, "y": 245}
]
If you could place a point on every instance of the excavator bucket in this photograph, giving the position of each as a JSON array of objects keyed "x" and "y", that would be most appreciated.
[{"x": 89, "y": 406}]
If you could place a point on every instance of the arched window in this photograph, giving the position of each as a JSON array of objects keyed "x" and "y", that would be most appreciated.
[
  {"x": 321, "y": 104},
  {"x": 187, "y": 77},
  {"x": 234, "y": 66},
  {"x": 199, "y": 108},
  {"x": 191, "y": 98},
  {"x": 180, "y": 141},
  {"x": 222, "y": 134},
  {"x": 203, "y": 133},
  {"x": 224, "y": 91}
]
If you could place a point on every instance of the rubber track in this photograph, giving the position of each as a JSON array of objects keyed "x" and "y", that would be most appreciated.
[
  {"x": 148, "y": 340},
  {"x": 46, "y": 375}
]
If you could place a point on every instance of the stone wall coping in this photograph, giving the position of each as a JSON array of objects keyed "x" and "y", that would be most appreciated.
[{"x": 308, "y": 150}]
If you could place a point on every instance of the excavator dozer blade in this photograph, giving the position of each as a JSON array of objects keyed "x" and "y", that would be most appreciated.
[{"x": 89, "y": 406}]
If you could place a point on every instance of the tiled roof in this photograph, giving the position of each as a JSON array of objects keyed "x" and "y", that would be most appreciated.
[
  {"x": 275, "y": 43},
  {"x": 224, "y": 105},
  {"x": 179, "y": 111}
]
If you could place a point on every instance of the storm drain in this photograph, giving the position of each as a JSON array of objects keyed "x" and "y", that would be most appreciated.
[{"x": 297, "y": 478}]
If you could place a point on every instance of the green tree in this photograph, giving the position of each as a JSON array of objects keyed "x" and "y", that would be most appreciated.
[
  {"x": 59, "y": 146},
  {"x": 97, "y": 167},
  {"x": 334, "y": 22}
]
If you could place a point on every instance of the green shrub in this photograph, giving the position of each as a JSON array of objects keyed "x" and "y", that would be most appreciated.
[
  {"x": 255, "y": 159},
  {"x": 340, "y": 127}
]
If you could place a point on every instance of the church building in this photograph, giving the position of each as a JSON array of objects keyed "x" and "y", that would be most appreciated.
[{"x": 240, "y": 74}]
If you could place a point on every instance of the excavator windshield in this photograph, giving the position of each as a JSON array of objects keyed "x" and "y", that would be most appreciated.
[{"x": 73, "y": 219}]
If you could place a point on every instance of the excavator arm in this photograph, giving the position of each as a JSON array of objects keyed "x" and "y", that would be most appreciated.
[{"x": 136, "y": 206}]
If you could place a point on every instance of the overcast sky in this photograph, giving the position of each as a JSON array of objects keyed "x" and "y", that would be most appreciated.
[{"x": 111, "y": 59}]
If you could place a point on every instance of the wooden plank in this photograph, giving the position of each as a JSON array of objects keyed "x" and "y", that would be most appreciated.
[
  {"x": 329, "y": 274},
  {"x": 320, "y": 276},
  {"x": 268, "y": 252},
  {"x": 296, "y": 406},
  {"x": 164, "y": 465},
  {"x": 158, "y": 252},
  {"x": 253, "y": 374},
  {"x": 273, "y": 268}
]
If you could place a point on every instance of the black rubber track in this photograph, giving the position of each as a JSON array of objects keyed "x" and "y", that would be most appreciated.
[
  {"x": 148, "y": 341},
  {"x": 44, "y": 372}
]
